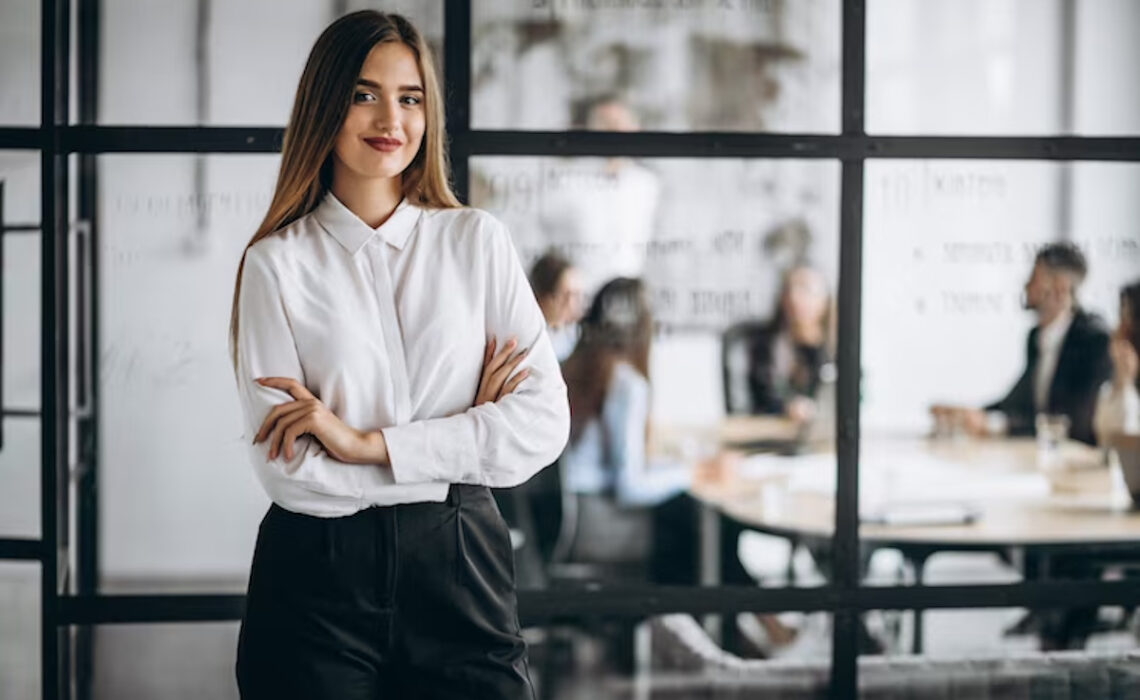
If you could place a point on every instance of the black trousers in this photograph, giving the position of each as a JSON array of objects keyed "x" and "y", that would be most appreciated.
[{"x": 406, "y": 601}]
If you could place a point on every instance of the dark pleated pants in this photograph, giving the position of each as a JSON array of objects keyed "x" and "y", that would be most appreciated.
[{"x": 406, "y": 601}]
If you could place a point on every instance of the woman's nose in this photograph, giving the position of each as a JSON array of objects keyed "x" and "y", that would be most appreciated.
[{"x": 385, "y": 115}]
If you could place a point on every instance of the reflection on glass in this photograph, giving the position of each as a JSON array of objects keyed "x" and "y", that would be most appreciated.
[
  {"x": 20, "y": 63},
  {"x": 20, "y": 633},
  {"x": 20, "y": 478},
  {"x": 1003, "y": 67},
  {"x": 755, "y": 65},
  {"x": 171, "y": 231},
  {"x": 223, "y": 63},
  {"x": 980, "y": 652},
  {"x": 710, "y": 237},
  {"x": 20, "y": 457},
  {"x": 163, "y": 660},
  {"x": 674, "y": 656},
  {"x": 990, "y": 290},
  {"x": 732, "y": 263}
]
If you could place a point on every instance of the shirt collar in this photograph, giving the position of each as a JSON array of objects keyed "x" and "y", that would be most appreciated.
[
  {"x": 1052, "y": 334},
  {"x": 352, "y": 233}
]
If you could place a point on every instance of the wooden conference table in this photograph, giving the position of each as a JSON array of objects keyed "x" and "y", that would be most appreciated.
[{"x": 1075, "y": 505}]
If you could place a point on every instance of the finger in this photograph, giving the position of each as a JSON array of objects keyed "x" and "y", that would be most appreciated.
[
  {"x": 295, "y": 388},
  {"x": 488, "y": 351},
  {"x": 509, "y": 387},
  {"x": 295, "y": 430},
  {"x": 275, "y": 438},
  {"x": 505, "y": 371},
  {"x": 292, "y": 429},
  {"x": 503, "y": 355},
  {"x": 271, "y": 418}
]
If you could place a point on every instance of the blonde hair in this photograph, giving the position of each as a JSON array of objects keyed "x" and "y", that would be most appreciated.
[{"x": 319, "y": 109}]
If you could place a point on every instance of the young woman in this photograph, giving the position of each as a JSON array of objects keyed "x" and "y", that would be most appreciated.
[
  {"x": 629, "y": 503},
  {"x": 788, "y": 356},
  {"x": 392, "y": 365}
]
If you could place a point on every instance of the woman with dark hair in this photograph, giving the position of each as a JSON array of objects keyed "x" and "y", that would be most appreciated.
[
  {"x": 629, "y": 503},
  {"x": 374, "y": 333},
  {"x": 789, "y": 355},
  {"x": 1118, "y": 405},
  {"x": 607, "y": 379}
]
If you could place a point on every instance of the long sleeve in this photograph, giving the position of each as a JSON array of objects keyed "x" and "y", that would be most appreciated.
[
  {"x": 312, "y": 481},
  {"x": 1117, "y": 411},
  {"x": 501, "y": 443},
  {"x": 624, "y": 417},
  {"x": 1017, "y": 405}
]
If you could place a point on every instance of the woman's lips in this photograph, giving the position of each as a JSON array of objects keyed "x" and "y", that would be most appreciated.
[{"x": 383, "y": 145}]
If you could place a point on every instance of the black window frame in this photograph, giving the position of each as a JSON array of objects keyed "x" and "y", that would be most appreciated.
[{"x": 70, "y": 599}]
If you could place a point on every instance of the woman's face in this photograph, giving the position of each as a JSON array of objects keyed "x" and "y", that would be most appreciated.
[
  {"x": 567, "y": 300},
  {"x": 805, "y": 298},
  {"x": 385, "y": 124}
]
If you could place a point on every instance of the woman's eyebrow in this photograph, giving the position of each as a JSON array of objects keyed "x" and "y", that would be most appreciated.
[{"x": 376, "y": 86}]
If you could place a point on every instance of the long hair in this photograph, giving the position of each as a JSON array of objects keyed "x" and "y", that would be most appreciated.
[
  {"x": 319, "y": 110},
  {"x": 781, "y": 322},
  {"x": 618, "y": 327},
  {"x": 546, "y": 273}
]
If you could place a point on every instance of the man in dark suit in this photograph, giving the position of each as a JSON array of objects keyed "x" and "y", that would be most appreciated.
[
  {"x": 1067, "y": 356},
  {"x": 1067, "y": 361}
]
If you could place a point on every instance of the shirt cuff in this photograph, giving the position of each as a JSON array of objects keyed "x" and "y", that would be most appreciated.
[
  {"x": 416, "y": 458},
  {"x": 997, "y": 423}
]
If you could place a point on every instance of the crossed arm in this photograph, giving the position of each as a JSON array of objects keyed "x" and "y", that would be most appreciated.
[{"x": 307, "y": 414}]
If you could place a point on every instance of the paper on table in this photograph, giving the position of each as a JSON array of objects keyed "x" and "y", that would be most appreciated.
[
  {"x": 913, "y": 477},
  {"x": 766, "y": 466}
]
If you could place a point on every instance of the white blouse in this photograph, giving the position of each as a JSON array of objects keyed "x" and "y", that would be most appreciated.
[{"x": 387, "y": 328}]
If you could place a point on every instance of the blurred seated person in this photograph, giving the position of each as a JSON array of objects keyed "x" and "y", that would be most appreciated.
[
  {"x": 788, "y": 356},
  {"x": 558, "y": 289},
  {"x": 1118, "y": 406},
  {"x": 1067, "y": 357},
  {"x": 629, "y": 502}
]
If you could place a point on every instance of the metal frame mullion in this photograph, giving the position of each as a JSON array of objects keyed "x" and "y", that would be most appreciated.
[
  {"x": 544, "y": 606},
  {"x": 54, "y": 379},
  {"x": 845, "y": 540},
  {"x": 20, "y": 548},
  {"x": 87, "y": 487},
  {"x": 86, "y": 138},
  {"x": 457, "y": 72}
]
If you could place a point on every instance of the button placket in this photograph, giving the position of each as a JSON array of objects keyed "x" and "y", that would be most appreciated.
[{"x": 393, "y": 334}]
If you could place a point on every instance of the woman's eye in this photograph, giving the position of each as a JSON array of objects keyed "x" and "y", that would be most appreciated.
[
  {"x": 363, "y": 97},
  {"x": 410, "y": 100}
]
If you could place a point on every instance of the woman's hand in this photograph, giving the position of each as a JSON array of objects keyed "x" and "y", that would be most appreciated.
[
  {"x": 496, "y": 380},
  {"x": 716, "y": 470},
  {"x": 1125, "y": 364},
  {"x": 289, "y": 421},
  {"x": 800, "y": 409}
]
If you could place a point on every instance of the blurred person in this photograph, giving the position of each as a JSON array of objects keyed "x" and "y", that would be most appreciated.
[
  {"x": 606, "y": 461},
  {"x": 788, "y": 357},
  {"x": 375, "y": 332},
  {"x": 1118, "y": 406},
  {"x": 1067, "y": 357},
  {"x": 602, "y": 211},
  {"x": 558, "y": 288}
]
